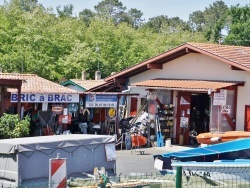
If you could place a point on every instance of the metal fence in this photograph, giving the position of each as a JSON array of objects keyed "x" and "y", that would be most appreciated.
[
  {"x": 222, "y": 177},
  {"x": 212, "y": 176}
]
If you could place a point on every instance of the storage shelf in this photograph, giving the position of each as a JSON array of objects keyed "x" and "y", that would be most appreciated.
[{"x": 166, "y": 118}]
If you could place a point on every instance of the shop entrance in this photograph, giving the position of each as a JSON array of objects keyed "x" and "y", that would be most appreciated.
[
  {"x": 192, "y": 115},
  {"x": 199, "y": 115}
]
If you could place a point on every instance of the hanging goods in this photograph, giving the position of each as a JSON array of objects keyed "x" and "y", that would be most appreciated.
[
  {"x": 158, "y": 134},
  {"x": 47, "y": 121},
  {"x": 142, "y": 107}
]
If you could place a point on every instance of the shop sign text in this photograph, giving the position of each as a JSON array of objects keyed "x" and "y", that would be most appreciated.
[
  {"x": 220, "y": 98},
  {"x": 101, "y": 101},
  {"x": 50, "y": 98}
]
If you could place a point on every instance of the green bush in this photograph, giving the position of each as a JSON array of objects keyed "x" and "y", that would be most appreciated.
[{"x": 11, "y": 126}]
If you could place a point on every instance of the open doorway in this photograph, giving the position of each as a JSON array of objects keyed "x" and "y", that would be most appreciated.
[{"x": 199, "y": 115}]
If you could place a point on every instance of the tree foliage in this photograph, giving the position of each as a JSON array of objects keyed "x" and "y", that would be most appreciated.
[
  {"x": 59, "y": 46},
  {"x": 240, "y": 26},
  {"x": 212, "y": 21},
  {"x": 12, "y": 127},
  {"x": 66, "y": 11}
]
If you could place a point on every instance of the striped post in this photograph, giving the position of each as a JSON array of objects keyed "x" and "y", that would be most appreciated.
[{"x": 57, "y": 173}]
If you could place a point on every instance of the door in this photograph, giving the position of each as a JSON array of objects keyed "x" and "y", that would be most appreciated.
[
  {"x": 183, "y": 116},
  {"x": 133, "y": 107},
  {"x": 247, "y": 118}
]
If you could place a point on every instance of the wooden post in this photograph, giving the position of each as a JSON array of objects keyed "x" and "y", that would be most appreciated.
[
  {"x": 19, "y": 100},
  {"x": 117, "y": 118},
  {"x": 2, "y": 92}
]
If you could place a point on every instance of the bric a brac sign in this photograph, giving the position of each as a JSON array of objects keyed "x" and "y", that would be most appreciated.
[{"x": 50, "y": 98}]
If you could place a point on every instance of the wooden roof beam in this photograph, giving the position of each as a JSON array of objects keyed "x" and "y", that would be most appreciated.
[
  {"x": 154, "y": 66},
  {"x": 188, "y": 50},
  {"x": 235, "y": 68}
]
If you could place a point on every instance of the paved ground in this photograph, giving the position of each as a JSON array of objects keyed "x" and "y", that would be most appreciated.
[{"x": 133, "y": 162}]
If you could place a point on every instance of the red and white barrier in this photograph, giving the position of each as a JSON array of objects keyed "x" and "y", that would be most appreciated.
[{"x": 57, "y": 173}]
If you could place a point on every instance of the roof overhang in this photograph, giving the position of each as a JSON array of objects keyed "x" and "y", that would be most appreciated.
[
  {"x": 152, "y": 63},
  {"x": 111, "y": 93},
  {"x": 182, "y": 50},
  {"x": 187, "y": 84},
  {"x": 10, "y": 82}
]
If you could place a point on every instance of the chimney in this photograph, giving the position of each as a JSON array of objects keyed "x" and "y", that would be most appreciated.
[
  {"x": 84, "y": 75},
  {"x": 97, "y": 75}
]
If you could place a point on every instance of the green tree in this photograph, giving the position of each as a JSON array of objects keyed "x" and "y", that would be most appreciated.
[
  {"x": 67, "y": 10},
  {"x": 86, "y": 16},
  {"x": 212, "y": 21},
  {"x": 24, "y": 5},
  {"x": 239, "y": 28},
  {"x": 196, "y": 21},
  {"x": 111, "y": 9},
  {"x": 159, "y": 23},
  {"x": 156, "y": 23},
  {"x": 60, "y": 47},
  {"x": 215, "y": 20},
  {"x": 135, "y": 18}
]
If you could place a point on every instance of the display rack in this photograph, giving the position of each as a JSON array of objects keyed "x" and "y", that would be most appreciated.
[{"x": 166, "y": 120}]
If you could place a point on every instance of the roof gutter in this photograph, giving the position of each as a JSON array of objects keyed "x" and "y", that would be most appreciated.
[{"x": 127, "y": 90}]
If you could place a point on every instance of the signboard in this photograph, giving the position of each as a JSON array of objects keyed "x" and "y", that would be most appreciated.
[
  {"x": 184, "y": 122},
  {"x": 226, "y": 109},
  {"x": 50, "y": 98},
  {"x": 73, "y": 108},
  {"x": 112, "y": 112},
  {"x": 101, "y": 101},
  {"x": 110, "y": 152},
  {"x": 220, "y": 98},
  {"x": 63, "y": 119},
  {"x": 183, "y": 101},
  {"x": 158, "y": 164},
  {"x": 57, "y": 108}
]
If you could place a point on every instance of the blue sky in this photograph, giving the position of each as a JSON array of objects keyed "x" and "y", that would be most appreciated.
[{"x": 150, "y": 8}]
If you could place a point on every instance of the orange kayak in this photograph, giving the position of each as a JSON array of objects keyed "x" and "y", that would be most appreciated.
[{"x": 214, "y": 138}]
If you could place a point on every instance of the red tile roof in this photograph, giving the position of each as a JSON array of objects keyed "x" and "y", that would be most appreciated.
[
  {"x": 186, "y": 84},
  {"x": 237, "y": 56},
  {"x": 12, "y": 76},
  {"x": 240, "y": 55},
  {"x": 35, "y": 84},
  {"x": 88, "y": 84}
]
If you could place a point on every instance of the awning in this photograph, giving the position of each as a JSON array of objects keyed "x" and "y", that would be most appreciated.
[{"x": 187, "y": 84}]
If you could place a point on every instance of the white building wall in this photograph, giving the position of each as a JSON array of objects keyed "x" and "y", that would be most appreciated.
[{"x": 199, "y": 66}]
